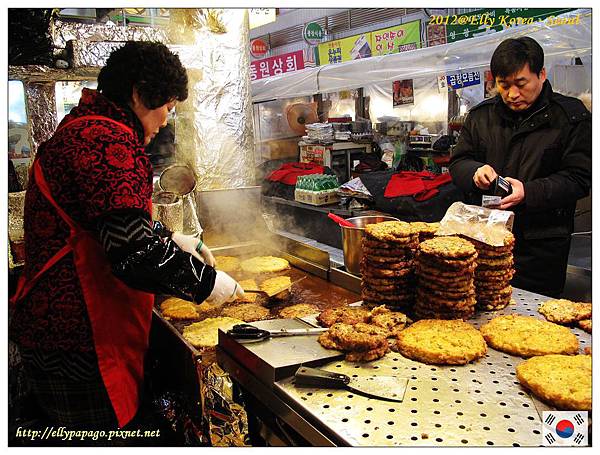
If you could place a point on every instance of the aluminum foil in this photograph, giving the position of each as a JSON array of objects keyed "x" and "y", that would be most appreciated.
[
  {"x": 38, "y": 73},
  {"x": 91, "y": 53},
  {"x": 41, "y": 112},
  {"x": 168, "y": 209},
  {"x": 227, "y": 421},
  {"x": 214, "y": 126},
  {"x": 62, "y": 32}
]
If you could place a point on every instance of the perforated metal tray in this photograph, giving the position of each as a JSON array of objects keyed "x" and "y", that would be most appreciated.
[{"x": 478, "y": 404}]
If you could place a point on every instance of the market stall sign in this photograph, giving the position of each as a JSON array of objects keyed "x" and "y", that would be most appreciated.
[
  {"x": 274, "y": 66},
  {"x": 261, "y": 16},
  {"x": 400, "y": 38},
  {"x": 462, "y": 80},
  {"x": 258, "y": 48},
  {"x": 345, "y": 50},
  {"x": 484, "y": 21},
  {"x": 313, "y": 33}
]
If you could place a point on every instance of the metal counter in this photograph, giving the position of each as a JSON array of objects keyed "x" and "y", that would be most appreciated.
[{"x": 478, "y": 404}]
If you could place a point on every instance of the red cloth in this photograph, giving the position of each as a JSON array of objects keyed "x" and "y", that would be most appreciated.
[
  {"x": 421, "y": 185},
  {"x": 288, "y": 173}
]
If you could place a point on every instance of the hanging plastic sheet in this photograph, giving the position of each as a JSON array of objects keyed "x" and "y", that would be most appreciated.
[{"x": 561, "y": 43}]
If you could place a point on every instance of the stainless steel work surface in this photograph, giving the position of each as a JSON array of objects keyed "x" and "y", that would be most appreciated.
[
  {"x": 478, "y": 404},
  {"x": 276, "y": 358}
]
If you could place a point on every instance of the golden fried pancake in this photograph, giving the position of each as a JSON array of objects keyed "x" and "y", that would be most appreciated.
[
  {"x": 227, "y": 263},
  {"x": 409, "y": 244},
  {"x": 392, "y": 252},
  {"x": 445, "y": 264},
  {"x": 298, "y": 311},
  {"x": 389, "y": 231},
  {"x": 360, "y": 337},
  {"x": 345, "y": 315},
  {"x": 272, "y": 285},
  {"x": 564, "y": 311},
  {"x": 394, "y": 265},
  {"x": 585, "y": 324},
  {"x": 450, "y": 247},
  {"x": 264, "y": 264},
  {"x": 527, "y": 336},
  {"x": 375, "y": 272},
  {"x": 422, "y": 228},
  {"x": 247, "y": 312},
  {"x": 392, "y": 321},
  {"x": 206, "y": 333},
  {"x": 425, "y": 313},
  {"x": 178, "y": 309},
  {"x": 426, "y": 269},
  {"x": 368, "y": 356},
  {"x": 450, "y": 342},
  {"x": 249, "y": 297},
  {"x": 563, "y": 381}
]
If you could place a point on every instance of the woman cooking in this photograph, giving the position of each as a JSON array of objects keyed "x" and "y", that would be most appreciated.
[{"x": 94, "y": 258}]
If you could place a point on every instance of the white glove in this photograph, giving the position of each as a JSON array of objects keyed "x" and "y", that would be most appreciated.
[
  {"x": 226, "y": 289},
  {"x": 190, "y": 244}
]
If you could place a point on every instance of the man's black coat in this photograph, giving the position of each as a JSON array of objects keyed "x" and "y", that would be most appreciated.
[{"x": 549, "y": 149}]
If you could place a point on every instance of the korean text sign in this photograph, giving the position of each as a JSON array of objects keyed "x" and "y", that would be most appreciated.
[{"x": 273, "y": 66}]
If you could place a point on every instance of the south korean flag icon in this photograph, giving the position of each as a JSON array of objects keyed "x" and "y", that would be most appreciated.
[{"x": 565, "y": 428}]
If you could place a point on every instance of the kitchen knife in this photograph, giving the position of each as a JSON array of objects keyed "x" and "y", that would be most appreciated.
[{"x": 390, "y": 388}]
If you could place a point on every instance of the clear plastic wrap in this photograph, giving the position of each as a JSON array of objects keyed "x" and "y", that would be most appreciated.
[{"x": 486, "y": 225}]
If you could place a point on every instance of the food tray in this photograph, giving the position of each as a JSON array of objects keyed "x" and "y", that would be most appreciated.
[{"x": 478, "y": 404}]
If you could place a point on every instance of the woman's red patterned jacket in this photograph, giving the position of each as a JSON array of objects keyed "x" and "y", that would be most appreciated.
[{"x": 93, "y": 168}]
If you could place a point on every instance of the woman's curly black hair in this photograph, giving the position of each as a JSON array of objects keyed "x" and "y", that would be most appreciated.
[{"x": 151, "y": 68}]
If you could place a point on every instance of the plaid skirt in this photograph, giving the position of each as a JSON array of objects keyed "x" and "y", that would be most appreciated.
[{"x": 68, "y": 388}]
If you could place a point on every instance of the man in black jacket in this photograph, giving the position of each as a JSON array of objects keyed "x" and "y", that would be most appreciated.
[{"x": 541, "y": 142}]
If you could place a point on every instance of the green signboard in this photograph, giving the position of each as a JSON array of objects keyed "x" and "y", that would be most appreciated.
[
  {"x": 483, "y": 21},
  {"x": 313, "y": 33}
]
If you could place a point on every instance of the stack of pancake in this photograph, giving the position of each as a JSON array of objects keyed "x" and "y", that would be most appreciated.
[
  {"x": 387, "y": 264},
  {"x": 493, "y": 273},
  {"x": 424, "y": 230},
  {"x": 445, "y": 267}
]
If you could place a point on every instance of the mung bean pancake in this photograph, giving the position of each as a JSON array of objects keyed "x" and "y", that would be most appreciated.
[
  {"x": 264, "y": 264},
  {"x": 390, "y": 231},
  {"x": 205, "y": 333},
  {"x": 527, "y": 336},
  {"x": 563, "y": 381},
  {"x": 450, "y": 247},
  {"x": 298, "y": 311},
  {"x": 586, "y": 325},
  {"x": 227, "y": 263},
  {"x": 563, "y": 311},
  {"x": 249, "y": 297},
  {"x": 247, "y": 312},
  {"x": 178, "y": 309},
  {"x": 345, "y": 315},
  {"x": 445, "y": 342}
]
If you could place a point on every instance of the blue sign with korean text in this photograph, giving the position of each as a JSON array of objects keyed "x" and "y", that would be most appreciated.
[{"x": 461, "y": 80}]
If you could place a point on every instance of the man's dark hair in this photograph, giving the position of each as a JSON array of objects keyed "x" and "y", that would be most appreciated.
[
  {"x": 151, "y": 68},
  {"x": 512, "y": 54}
]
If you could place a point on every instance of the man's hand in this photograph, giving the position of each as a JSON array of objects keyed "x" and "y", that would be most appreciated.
[
  {"x": 516, "y": 197},
  {"x": 484, "y": 176}
]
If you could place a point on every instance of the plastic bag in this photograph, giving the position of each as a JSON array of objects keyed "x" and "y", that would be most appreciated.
[{"x": 486, "y": 225}]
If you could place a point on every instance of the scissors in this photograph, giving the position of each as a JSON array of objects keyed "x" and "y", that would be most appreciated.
[{"x": 247, "y": 333}]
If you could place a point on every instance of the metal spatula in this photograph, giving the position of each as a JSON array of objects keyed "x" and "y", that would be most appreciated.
[{"x": 390, "y": 388}]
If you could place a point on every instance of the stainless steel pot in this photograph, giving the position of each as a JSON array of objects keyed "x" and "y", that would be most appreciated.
[{"x": 352, "y": 240}]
